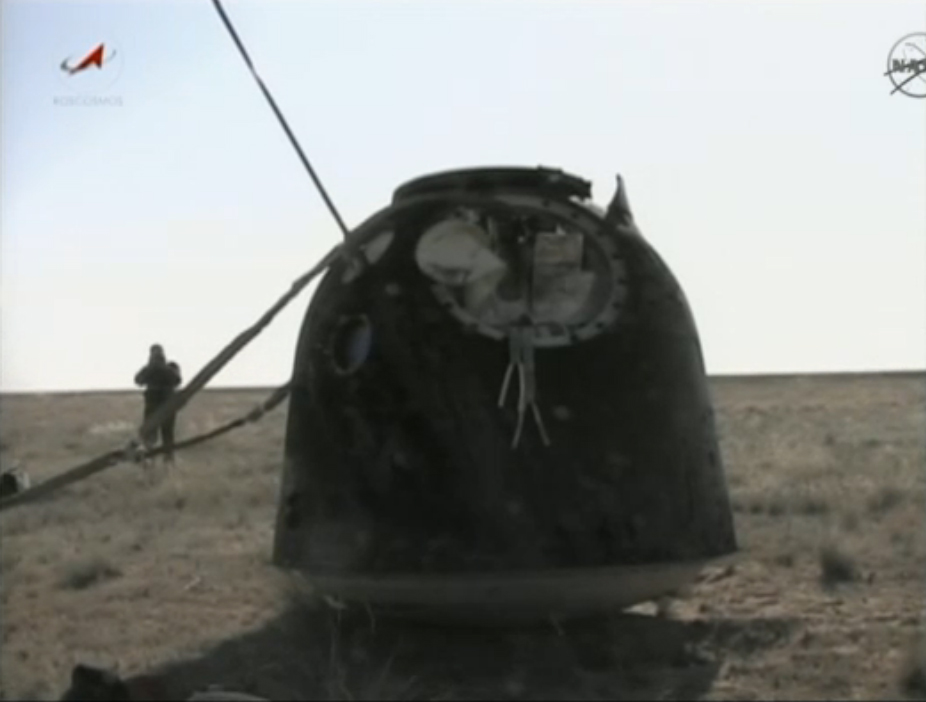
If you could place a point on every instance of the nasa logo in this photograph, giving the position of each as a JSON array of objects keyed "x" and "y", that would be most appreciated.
[{"x": 906, "y": 65}]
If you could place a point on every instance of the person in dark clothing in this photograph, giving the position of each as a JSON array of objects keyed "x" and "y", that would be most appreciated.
[{"x": 161, "y": 378}]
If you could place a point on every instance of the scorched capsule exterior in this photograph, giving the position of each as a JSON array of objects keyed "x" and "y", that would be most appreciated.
[{"x": 406, "y": 485}]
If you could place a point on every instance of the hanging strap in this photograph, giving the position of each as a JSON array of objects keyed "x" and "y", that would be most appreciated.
[{"x": 521, "y": 361}]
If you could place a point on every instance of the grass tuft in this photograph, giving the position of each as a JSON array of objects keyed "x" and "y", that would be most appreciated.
[
  {"x": 836, "y": 567},
  {"x": 884, "y": 500},
  {"x": 80, "y": 575},
  {"x": 913, "y": 670}
]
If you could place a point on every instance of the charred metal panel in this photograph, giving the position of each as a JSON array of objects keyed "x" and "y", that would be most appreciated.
[{"x": 399, "y": 460}]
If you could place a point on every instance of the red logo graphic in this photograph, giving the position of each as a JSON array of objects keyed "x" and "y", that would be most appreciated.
[{"x": 94, "y": 58}]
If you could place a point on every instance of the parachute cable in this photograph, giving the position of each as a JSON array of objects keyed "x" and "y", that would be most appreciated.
[{"x": 282, "y": 119}]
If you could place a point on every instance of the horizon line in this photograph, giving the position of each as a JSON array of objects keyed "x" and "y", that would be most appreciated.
[{"x": 710, "y": 376}]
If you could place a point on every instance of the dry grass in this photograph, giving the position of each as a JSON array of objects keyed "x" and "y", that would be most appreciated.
[{"x": 173, "y": 575}]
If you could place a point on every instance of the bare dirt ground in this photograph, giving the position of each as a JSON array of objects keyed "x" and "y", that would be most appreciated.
[{"x": 825, "y": 601}]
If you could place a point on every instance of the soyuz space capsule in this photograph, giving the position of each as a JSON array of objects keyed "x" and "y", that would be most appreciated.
[{"x": 500, "y": 410}]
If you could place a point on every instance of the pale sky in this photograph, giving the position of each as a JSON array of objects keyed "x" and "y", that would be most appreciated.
[{"x": 763, "y": 153}]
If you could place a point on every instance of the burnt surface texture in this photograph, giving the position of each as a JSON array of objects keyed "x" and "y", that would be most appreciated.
[{"x": 399, "y": 460}]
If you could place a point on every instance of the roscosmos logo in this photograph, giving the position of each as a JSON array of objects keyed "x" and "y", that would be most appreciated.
[
  {"x": 97, "y": 57},
  {"x": 89, "y": 68}
]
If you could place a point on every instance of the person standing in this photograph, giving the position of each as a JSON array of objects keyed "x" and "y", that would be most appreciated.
[{"x": 160, "y": 378}]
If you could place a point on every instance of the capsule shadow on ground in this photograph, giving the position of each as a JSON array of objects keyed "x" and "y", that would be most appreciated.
[{"x": 314, "y": 654}]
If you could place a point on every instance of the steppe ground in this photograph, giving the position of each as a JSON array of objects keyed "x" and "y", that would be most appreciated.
[{"x": 173, "y": 575}]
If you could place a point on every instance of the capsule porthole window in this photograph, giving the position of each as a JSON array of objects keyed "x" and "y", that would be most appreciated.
[{"x": 351, "y": 344}]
